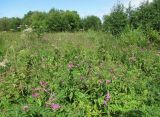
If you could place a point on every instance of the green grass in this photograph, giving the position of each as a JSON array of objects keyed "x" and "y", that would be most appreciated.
[{"x": 130, "y": 64}]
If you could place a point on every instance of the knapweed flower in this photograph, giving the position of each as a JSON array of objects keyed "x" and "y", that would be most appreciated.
[
  {"x": 100, "y": 82},
  {"x": 107, "y": 98},
  {"x": 70, "y": 65},
  {"x": 108, "y": 81},
  {"x": 55, "y": 106},
  {"x": 25, "y": 108},
  {"x": 35, "y": 95},
  {"x": 43, "y": 83}
]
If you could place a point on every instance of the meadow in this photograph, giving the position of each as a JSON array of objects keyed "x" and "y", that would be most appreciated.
[{"x": 81, "y": 74}]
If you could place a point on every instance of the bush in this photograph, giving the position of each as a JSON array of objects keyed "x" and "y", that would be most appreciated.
[
  {"x": 134, "y": 37},
  {"x": 153, "y": 36},
  {"x": 116, "y": 21},
  {"x": 92, "y": 23}
]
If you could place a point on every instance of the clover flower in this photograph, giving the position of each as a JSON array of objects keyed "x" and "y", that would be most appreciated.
[
  {"x": 70, "y": 65},
  {"x": 43, "y": 83},
  {"x": 107, "y": 98},
  {"x": 35, "y": 95},
  {"x": 108, "y": 81},
  {"x": 55, "y": 106}
]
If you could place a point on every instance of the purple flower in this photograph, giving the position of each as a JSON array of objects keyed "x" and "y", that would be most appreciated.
[
  {"x": 107, "y": 98},
  {"x": 43, "y": 83},
  {"x": 108, "y": 81},
  {"x": 35, "y": 95},
  {"x": 70, "y": 65},
  {"x": 55, "y": 106}
]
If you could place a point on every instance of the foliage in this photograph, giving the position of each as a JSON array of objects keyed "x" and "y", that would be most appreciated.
[
  {"x": 116, "y": 21},
  {"x": 59, "y": 20},
  {"x": 147, "y": 16},
  {"x": 79, "y": 74},
  {"x": 91, "y": 22}
]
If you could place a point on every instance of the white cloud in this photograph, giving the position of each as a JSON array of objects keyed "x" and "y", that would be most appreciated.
[{"x": 134, "y": 3}]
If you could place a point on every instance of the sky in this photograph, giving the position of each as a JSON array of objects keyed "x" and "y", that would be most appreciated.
[{"x": 17, "y": 8}]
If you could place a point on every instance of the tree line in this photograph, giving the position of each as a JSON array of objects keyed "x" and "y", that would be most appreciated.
[{"x": 146, "y": 16}]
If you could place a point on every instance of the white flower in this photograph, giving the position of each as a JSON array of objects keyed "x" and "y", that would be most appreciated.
[
  {"x": 3, "y": 63},
  {"x": 28, "y": 30}
]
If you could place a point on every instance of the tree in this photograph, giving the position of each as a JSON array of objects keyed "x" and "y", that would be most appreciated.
[
  {"x": 4, "y": 24},
  {"x": 116, "y": 21},
  {"x": 15, "y": 23},
  {"x": 147, "y": 16},
  {"x": 59, "y": 20},
  {"x": 91, "y": 22},
  {"x": 71, "y": 21}
]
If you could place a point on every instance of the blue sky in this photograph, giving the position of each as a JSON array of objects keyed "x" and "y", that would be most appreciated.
[{"x": 17, "y": 8}]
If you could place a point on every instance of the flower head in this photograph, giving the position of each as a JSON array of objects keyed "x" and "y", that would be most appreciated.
[
  {"x": 108, "y": 81},
  {"x": 70, "y": 65},
  {"x": 100, "y": 82},
  {"x": 43, "y": 83},
  {"x": 35, "y": 95},
  {"x": 107, "y": 98},
  {"x": 55, "y": 106},
  {"x": 25, "y": 108}
]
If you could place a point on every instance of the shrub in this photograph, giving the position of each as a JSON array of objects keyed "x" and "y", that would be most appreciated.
[
  {"x": 134, "y": 37},
  {"x": 153, "y": 36}
]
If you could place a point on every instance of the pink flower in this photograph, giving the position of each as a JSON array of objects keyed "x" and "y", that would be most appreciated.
[
  {"x": 35, "y": 95},
  {"x": 43, "y": 83},
  {"x": 100, "y": 81},
  {"x": 108, "y": 81},
  {"x": 107, "y": 98},
  {"x": 70, "y": 65},
  {"x": 25, "y": 108},
  {"x": 55, "y": 106}
]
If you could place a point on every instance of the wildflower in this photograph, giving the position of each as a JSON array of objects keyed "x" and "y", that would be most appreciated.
[
  {"x": 43, "y": 84},
  {"x": 70, "y": 65},
  {"x": 100, "y": 81},
  {"x": 28, "y": 30},
  {"x": 25, "y": 108},
  {"x": 112, "y": 70},
  {"x": 107, "y": 98},
  {"x": 55, "y": 106},
  {"x": 35, "y": 95},
  {"x": 3, "y": 63},
  {"x": 50, "y": 100},
  {"x": 108, "y": 81}
]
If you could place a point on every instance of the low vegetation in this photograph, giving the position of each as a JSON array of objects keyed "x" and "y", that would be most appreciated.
[
  {"x": 79, "y": 74},
  {"x": 58, "y": 64}
]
